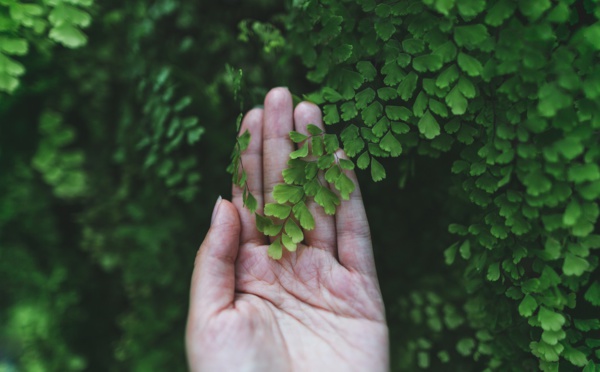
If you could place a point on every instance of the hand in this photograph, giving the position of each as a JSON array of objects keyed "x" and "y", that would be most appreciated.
[{"x": 316, "y": 309}]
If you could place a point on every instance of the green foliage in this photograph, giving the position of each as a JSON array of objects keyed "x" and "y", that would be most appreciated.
[
  {"x": 507, "y": 99},
  {"x": 317, "y": 152},
  {"x": 26, "y": 24},
  {"x": 485, "y": 113}
]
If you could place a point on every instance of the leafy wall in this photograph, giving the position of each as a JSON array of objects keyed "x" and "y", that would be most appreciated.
[{"x": 482, "y": 116}]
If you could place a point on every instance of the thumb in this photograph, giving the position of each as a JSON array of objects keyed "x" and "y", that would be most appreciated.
[{"x": 213, "y": 280}]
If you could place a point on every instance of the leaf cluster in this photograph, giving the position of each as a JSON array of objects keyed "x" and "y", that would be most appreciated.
[{"x": 510, "y": 89}]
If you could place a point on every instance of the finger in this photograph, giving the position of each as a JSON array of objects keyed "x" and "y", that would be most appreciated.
[
  {"x": 355, "y": 250},
  {"x": 323, "y": 235},
  {"x": 252, "y": 161},
  {"x": 213, "y": 280},
  {"x": 277, "y": 146}
]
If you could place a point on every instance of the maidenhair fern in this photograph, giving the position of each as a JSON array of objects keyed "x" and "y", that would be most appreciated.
[{"x": 512, "y": 90}]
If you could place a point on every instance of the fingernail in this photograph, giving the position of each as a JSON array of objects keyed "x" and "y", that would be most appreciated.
[
  {"x": 284, "y": 88},
  {"x": 216, "y": 209},
  {"x": 258, "y": 107}
]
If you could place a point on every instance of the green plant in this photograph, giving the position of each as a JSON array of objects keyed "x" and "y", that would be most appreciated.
[
  {"x": 511, "y": 90},
  {"x": 23, "y": 24}
]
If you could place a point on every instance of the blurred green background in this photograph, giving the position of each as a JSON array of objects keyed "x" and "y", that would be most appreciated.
[{"x": 111, "y": 158}]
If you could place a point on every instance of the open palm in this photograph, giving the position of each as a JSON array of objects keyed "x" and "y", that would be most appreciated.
[{"x": 316, "y": 309}]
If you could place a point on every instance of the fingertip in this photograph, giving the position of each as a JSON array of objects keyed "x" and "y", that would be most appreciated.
[
  {"x": 278, "y": 97},
  {"x": 307, "y": 113},
  {"x": 226, "y": 217}
]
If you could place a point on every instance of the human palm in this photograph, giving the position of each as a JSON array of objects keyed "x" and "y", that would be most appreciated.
[{"x": 316, "y": 309}]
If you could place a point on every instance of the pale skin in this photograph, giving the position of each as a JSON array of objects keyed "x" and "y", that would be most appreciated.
[{"x": 316, "y": 309}]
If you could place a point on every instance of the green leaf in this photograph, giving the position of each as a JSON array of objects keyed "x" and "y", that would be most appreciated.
[
  {"x": 311, "y": 187},
  {"x": 590, "y": 367},
  {"x": 465, "y": 346},
  {"x": 300, "y": 153},
  {"x": 266, "y": 226},
  {"x": 63, "y": 13},
  {"x": 277, "y": 210},
  {"x": 346, "y": 164},
  {"x": 332, "y": 115},
  {"x": 420, "y": 104},
  {"x": 297, "y": 172},
  {"x": 527, "y": 306},
  {"x": 14, "y": 46},
  {"x": 297, "y": 137},
  {"x": 493, "y": 273},
  {"x": 371, "y": 114},
  {"x": 438, "y": 108},
  {"x": 427, "y": 62},
  {"x": 572, "y": 213},
  {"x": 331, "y": 143},
  {"x": 332, "y": 174},
  {"x": 550, "y": 320},
  {"x": 377, "y": 170},
  {"x": 471, "y": 35},
  {"x": 317, "y": 145},
  {"x": 553, "y": 337},
  {"x": 314, "y": 130},
  {"x": 295, "y": 232},
  {"x": 349, "y": 110},
  {"x": 592, "y": 295},
  {"x": 537, "y": 183},
  {"x": 288, "y": 243},
  {"x": 331, "y": 95},
  {"x": 398, "y": 113},
  {"x": 469, "y": 64},
  {"x": 570, "y": 147},
  {"x": 407, "y": 86},
  {"x": 428, "y": 126},
  {"x": 450, "y": 254},
  {"x": 576, "y": 357},
  {"x": 447, "y": 77},
  {"x": 413, "y": 46},
  {"x": 364, "y": 98},
  {"x": 470, "y": 8},
  {"x": 250, "y": 202},
  {"x": 552, "y": 99},
  {"x": 381, "y": 127},
  {"x": 580, "y": 173},
  {"x": 367, "y": 70},
  {"x": 68, "y": 35},
  {"x": 327, "y": 199},
  {"x": 303, "y": 215},
  {"x": 275, "y": 250},
  {"x": 534, "y": 8},
  {"x": 400, "y": 128},
  {"x": 466, "y": 87},
  {"x": 385, "y": 29},
  {"x": 574, "y": 265},
  {"x": 390, "y": 144},
  {"x": 363, "y": 161},
  {"x": 592, "y": 35},
  {"x": 325, "y": 161},
  {"x": 342, "y": 53},
  {"x": 446, "y": 51},
  {"x": 345, "y": 186},
  {"x": 244, "y": 141},
  {"x": 283, "y": 193},
  {"x": 552, "y": 249},
  {"x": 387, "y": 93},
  {"x": 587, "y": 324},
  {"x": 499, "y": 12}
]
